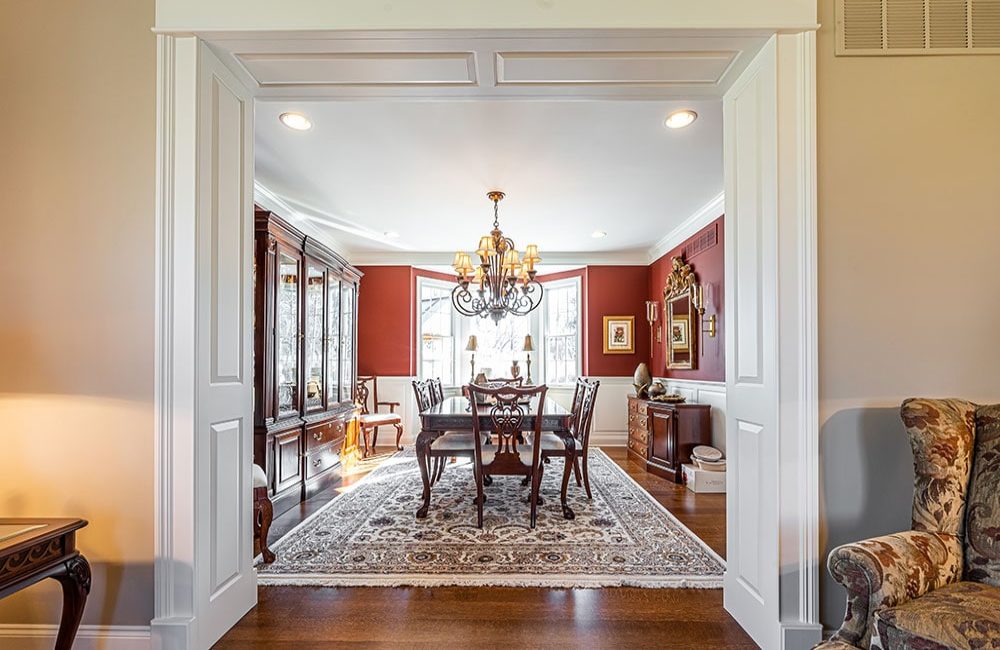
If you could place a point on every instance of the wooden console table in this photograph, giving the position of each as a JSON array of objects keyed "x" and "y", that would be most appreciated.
[
  {"x": 661, "y": 435},
  {"x": 32, "y": 550}
]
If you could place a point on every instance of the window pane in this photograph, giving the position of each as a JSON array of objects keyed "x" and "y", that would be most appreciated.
[
  {"x": 437, "y": 347},
  {"x": 562, "y": 316},
  {"x": 499, "y": 344}
]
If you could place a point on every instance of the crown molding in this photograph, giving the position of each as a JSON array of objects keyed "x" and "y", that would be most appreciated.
[{"x": 705, "y": 215}]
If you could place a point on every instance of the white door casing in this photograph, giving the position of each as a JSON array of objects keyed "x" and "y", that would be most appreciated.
[
  {"x": 204, "y": 573},
  {"x": 772, "y": 564}
]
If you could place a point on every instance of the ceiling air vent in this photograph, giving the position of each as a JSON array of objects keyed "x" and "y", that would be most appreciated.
[{"x": 898, "y": 27}]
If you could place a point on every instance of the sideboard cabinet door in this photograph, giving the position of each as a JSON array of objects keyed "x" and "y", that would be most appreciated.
[{"x": 664, "y": 438}]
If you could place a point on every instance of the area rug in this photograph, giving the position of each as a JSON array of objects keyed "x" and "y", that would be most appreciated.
[{"x": 369, "y": 536}]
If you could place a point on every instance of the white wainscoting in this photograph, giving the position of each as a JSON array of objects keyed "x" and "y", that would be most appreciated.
[
  {"x": 89, "y": 637},
  {"x": 610, "y": 412},
  {"x": 712, "y": 393}
]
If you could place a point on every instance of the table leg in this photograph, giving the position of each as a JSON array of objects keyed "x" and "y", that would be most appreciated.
[
  {"x": 568, "y": 463},
  {"x": 75, "y": 581},
  {"x": 423, "y": 446}
]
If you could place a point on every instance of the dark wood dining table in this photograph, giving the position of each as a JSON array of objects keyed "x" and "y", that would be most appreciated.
[{"x": 455, "y": 414}]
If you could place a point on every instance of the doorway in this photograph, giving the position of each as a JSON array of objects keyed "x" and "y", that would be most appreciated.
[{"x": 205, "y": 119}]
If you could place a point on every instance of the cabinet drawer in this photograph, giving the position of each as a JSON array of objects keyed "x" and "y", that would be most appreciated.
[
  {"x": 637, "y": 406},
  {"x": 638, "y": 447},
  {"x": 637, "y": 420},
  {"x": 640, "y": 435},
  {"x": 320, "y": 435},
  {"x": 321, "y": 460}
]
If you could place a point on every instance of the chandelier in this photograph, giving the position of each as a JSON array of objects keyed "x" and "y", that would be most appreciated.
[{"x": 502, "y": 283}]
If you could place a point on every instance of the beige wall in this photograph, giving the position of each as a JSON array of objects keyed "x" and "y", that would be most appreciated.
[
  {"x": 909, "y": 210},
  {"x": 76, "y": 298}
]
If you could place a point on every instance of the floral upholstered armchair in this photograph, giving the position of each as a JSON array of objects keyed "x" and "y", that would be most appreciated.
[{"x": 937, "y": 585}]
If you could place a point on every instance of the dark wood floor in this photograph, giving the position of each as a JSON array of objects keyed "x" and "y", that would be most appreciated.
[{"x": 314, "y": 617}]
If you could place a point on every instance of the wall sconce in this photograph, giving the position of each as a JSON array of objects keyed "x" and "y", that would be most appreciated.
[
  {"x": 652, "y": 316},
  {"x": 698, "y": 301}
]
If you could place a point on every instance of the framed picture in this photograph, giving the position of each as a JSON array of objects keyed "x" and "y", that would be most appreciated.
[
  {"x": 679, "y": 333},
  {"x": 619, "y": 335}
]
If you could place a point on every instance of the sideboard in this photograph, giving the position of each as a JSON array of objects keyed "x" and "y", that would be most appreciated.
[{"x": 661, "y": 436}]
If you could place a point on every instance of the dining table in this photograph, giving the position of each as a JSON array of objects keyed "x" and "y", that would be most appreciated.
[{"x": 455, "y": 414}]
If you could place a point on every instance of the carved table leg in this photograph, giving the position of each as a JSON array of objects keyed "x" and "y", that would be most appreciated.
[
  {"x": 75, "y": 581},
  {"x": 399, "y": 434},
  {"x": 423, "y": 446}
]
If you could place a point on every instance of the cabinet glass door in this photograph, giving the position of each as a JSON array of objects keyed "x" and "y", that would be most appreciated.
[
  {"x": 333, "y": 340},
  {"x": 347, "y": 341},
  {"x": 288, "y": 335},
  {"x": 314, "y": 336}
]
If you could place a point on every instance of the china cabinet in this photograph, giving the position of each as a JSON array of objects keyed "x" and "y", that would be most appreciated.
[{"x": 305, "y": 337}]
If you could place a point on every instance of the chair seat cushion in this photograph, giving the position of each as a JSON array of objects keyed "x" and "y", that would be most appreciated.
[
  {"x": 454, "y": 440},
  {"x": 959, "y": 615},
  {"x": 259, "y": 476},
  {"x": 378, "y": 419},
  {"x": 524, "y": 452},
  {"x": 552, "y": 442}
]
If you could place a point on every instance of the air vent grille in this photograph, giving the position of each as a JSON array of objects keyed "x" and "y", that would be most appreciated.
[{"x": 897, "y": 27}]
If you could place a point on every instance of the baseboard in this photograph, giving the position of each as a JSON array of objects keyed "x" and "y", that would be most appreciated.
[
  {"x": 800, "y": 636},
  {"x": 609, "y": 438},
  {"x": 89, "y": 637}
]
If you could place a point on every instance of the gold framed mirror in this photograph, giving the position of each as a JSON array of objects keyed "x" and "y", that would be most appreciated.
[{"x": 683, "y": 322}]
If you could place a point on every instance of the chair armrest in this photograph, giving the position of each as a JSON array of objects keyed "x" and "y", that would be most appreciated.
[
  {"x": 887, "y": 571},
  {"x": 392, "y": 405}
]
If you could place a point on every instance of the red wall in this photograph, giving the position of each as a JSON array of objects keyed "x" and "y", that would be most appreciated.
[
  {"x": 385, "y": 321},
  {"x": 387, "y": 314},
  {"x": 615, "y": 291},
  {"x": 709, "y": 265}
]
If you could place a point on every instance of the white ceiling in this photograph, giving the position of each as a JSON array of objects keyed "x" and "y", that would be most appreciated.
[
  {"x": 422, "y": 169},
  {"x": 411, "y": 129}
]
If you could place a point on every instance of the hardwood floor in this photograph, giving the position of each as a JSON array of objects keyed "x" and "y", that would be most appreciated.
[{"x": 483, "y": 617}]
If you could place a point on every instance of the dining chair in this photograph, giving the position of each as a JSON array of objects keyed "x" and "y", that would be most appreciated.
[
  {"x": 453, "y": 443},
  {"x": 370, "y": 419},
  {"x": 437, "y": 390},
  {"x": 506, "y": 409},
  {"x": 584, "y": 398}
]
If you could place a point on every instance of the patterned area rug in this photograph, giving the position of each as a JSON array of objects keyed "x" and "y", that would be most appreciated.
[{"x": 369, "y": 535}]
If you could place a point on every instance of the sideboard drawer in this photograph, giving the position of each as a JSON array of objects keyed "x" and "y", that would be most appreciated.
[
  {"x": 319, "y": 435},
  {"x": 638, "y": 447}
]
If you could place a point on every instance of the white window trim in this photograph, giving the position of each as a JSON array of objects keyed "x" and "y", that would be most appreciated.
[
  {"x": 418, "y": 342},
  {"x": 536, "y": 326},
  {"x": 540, "y": 345}
]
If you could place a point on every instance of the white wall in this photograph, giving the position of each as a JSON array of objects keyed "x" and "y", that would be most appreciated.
[
  {"x": 909, "y": 220},
  {"x": 76, "y": 321}
]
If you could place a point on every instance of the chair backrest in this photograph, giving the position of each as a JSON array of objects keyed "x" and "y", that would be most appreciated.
[
  {"x": 505, "y": 409},
  {"x": 942, "y": 437},
  {"x": 982, "y": 520},
  {"x": 584, "y": 420},
  {"x": 497, "y": 382},
  {"x": 437, "y": 391},
  {"x": 362, "y": 392},
  {"x": 423, "y": 391}
]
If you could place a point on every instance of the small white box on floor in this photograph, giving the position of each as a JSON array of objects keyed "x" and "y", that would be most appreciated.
[{"x": 700, "y": 480}]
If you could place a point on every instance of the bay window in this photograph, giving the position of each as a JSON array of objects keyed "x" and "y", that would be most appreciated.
[{"x": 554, "y": 326}]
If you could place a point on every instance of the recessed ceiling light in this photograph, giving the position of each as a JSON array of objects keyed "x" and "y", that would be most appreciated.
[
  {"x": 680, "y": 119},
  {"x": 391, "y": 234},
  {"x": 296, "y": 121},
  {"x": 598, "y": 234}
]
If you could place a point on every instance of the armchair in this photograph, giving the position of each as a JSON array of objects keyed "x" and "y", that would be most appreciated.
[
  {"x": 370, "y": 419},
  {"x": 937, "y": 585}
]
